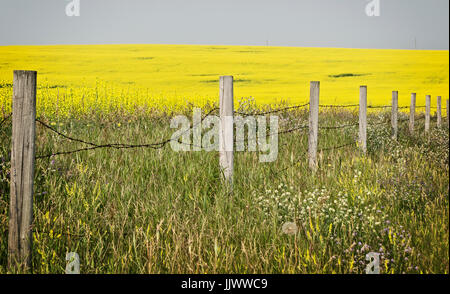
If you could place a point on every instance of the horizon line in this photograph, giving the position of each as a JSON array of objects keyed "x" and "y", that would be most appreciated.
[{"x": 220, "y": 45}]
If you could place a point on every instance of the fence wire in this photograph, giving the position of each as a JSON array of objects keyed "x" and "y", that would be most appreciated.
[
  {"x": 5, "y": 119},
  {"x": 339, "y": 127},
  {"x": 162, "y": 144},
  {"x": 336, "y": 147},
  {"x": 272, "y": 111},
  {"x": 94, "y": 146},
  {"x": 338, "y": 106}
]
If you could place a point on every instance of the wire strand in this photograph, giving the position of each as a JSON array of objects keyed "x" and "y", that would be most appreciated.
[
  {"x": 157, "y": 145},
  {"x": 272, "y": 111},
  {"x": 5, "y": 119}
]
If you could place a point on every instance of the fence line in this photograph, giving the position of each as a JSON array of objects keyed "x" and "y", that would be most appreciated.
[{"x": 162, "y": 144}]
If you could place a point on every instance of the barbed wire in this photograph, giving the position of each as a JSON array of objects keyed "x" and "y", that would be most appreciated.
[
  {"x": 272, "y": 111},
  {"x": 294, "y": 129},
  {"x": 161, "y": 144},
  {"x": 338, "y": 127},
  {"x": 281, "y": 110},
  {"x": 353, "y": 143},
  {"x": 152, "y": 145},
  {"x": 373, "y": 106},
  {"x": 399, "y": 120},
  {"x": 338, "y": 106},
  {"x": 5, "y": 119},
  {"x": 336, "y": 147},
  {"x": 157, "y": 145},
  {"x": 378, "y": 106},
  {"x": 71, "y": 152},
  {"x": 385, "y": 106}
]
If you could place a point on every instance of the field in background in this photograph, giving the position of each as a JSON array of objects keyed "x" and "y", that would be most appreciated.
[{"x": 78, "y": 79}]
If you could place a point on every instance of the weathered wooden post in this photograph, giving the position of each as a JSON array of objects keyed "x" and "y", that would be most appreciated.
[
  {"x": 412, "y": 113},
  {"x": 22, "y": 169},
  {"x": 394, "y": 115},
  {"x": 438, "y": 112},
  {"x": 427, "y": 113},
  {"x": 448, "y": 121},
  {"x": 363, "y": 118},
  {"x": 226, "y": 135},
  {"x": 313, "y": 124}
]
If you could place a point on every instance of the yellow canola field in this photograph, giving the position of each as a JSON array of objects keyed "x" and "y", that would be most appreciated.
[{"x": 73, "y": 79}]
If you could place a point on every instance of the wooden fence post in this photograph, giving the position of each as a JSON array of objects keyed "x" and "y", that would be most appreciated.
[
  {"x": 313, "y": 124},
  {"x": 448, "y": 121},
  {"x": 363, "y": 118},
  {"x": 427, "y": 113},
  {"x": 226, "y": 136},
  {"x": 412, "y": 113},
  {"x": 439, "y": 111},
  {"x": 394, "y": 115},
  {"x": 22, "y": 169}
]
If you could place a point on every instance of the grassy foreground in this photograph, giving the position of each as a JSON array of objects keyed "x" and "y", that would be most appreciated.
[{"x": 157, "y": 211}]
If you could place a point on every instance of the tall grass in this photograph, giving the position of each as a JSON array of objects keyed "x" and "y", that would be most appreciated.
[{"x": 159, "y": 211}]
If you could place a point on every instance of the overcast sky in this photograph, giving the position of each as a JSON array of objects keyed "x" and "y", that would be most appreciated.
[{"x": 402, "y": 24}]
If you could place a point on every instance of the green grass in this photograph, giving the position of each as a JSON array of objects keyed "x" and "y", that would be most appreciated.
[{"x": 158, "y": 211}]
